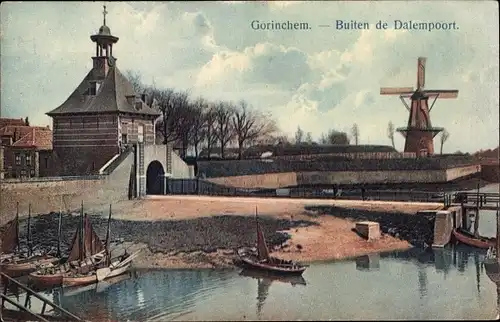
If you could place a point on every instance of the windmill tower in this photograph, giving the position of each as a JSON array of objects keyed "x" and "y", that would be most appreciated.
[{"x": 419, "y": 133}]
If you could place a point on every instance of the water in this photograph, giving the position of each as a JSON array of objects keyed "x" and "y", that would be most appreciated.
[
  {"x": 438, "y": 284},
  {"x": 487, "y": 221},
  {"x": 442, "y": 284}
]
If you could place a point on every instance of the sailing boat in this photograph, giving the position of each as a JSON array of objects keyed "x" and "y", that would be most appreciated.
[
  {"x": 104, "y": 267},
  {"x": 261, "y": 260},
  {"x": 52, "y": 275},
  {"x": 14, "y": 262}
]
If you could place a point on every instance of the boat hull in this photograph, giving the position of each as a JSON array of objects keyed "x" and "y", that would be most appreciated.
[
  {"x": 46, "y": 279},
  {"x": 27, "y": 266},
  {"x": 274, "y": 265},
  {"x": 79, "y": 280},
  {"x": 469, "y": 239}
]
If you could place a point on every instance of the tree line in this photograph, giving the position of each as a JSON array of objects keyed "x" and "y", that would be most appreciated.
[{"x": 189, "y": 122}]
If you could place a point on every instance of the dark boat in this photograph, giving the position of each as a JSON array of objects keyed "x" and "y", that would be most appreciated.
[
  {"x": 474, "y": 241},
  {"x": 15, "y": 262},
  {"x": 261, "y": 260}
]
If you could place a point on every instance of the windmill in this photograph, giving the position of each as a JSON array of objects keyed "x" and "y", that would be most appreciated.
[{"x": 419, "y": 133}]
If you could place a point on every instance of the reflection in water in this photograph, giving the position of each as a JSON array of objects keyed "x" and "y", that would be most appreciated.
[
  {"x": 264, "y": 281},
  {"x": 368, "y": 262},
  {"x": 412, "y": 283}
]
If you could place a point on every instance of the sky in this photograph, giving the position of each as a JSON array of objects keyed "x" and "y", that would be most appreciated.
[{"x": 320, "y": 78}]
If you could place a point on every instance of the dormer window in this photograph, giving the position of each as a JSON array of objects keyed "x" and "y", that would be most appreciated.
[
  {"x": 138, "y": 105},
  {"x": 94, "y": 88},
  {"x": 131, "y": 99}
]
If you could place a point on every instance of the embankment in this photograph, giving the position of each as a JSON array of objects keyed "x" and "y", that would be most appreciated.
[{"x": 188, "y": 231}]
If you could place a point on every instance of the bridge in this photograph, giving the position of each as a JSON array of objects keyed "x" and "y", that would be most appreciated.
[{"x": 475, "y": 200}]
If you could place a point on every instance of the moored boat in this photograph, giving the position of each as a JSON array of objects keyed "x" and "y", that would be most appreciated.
[
  {"x": 261, "y": 260},
  {"x": 16, "y": 263},
  {"x": 105, "y": 268},
  {"x": 474, "y": 241}
]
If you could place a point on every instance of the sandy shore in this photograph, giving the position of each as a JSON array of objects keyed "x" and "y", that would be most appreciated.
[
  {"x": 332, "y": 238},
  {"x": 204, "y": 232}
]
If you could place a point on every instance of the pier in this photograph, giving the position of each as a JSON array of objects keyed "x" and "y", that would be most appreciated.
[{"x": 459, "y": 209}]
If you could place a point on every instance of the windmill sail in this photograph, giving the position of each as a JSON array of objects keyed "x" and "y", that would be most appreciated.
[{"x": 421, "y": 72}]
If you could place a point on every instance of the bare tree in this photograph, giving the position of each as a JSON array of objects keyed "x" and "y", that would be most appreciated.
[
  {"x": 309, "y": 139},
  {"x": 183, "y": 118},
  {"x": 299, "y": 135},
  {"x": 249, "y": 126},
  {"x": 355, "y": 133},
  {"x": 334, "y": 137},
  {"x": 135, "y": 79},
  {"x": 199, "y": 108},
  {"x": 209, "y": 131},
  {"x": 223, "y": 127},
  {"x": 443, "y": 138},
  {"x": 390, "y": 133},
  {"x": 166, "y": 126}
]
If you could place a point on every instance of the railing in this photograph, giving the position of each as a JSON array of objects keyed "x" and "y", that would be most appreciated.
[
  {"x": 54, "y": 179},
  {"x": 482, "y": 199},
  {"x": 7, "y": 280},
  {"x": 203, "y": 187}
]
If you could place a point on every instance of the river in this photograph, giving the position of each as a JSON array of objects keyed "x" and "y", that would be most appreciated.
[{"x": 441, "y": 284}]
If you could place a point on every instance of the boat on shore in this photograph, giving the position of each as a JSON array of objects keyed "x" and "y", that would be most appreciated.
[
  {"x": 260, "y": 259},
  {"x": 474, "y": 241},
  {"x": 15, "y": 262},
  {"x": 100, "y": 270}
]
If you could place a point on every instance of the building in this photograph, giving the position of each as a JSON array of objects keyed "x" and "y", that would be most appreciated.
[
  {"x": 102, "y": 117},
  {"x": 22, "y": 146}
]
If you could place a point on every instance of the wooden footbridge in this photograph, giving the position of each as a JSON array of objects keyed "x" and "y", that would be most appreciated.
[
  {"x": 23, "y": 312},
  {"x": 473, "y": 200}
]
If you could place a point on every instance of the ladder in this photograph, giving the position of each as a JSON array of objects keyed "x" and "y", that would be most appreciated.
[{"x": 7, "y": 280}]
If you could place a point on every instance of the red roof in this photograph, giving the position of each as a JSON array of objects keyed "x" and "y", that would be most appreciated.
[
  {"x": 6, "y": 121},
  {"x": 38, "y": 137}
]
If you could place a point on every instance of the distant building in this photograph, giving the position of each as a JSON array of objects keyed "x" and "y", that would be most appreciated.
[
  {"x": 101, "y": 118},
  {"x": 22, "y": 146}
]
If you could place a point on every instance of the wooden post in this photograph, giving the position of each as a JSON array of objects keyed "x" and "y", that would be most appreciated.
[
  {"x": 29, "y": 231},
  {"x": 498, "y": 234},
  {"x": 476, "y": 220}
]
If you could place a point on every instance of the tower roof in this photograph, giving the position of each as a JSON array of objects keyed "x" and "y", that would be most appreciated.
[
  {"x": 104, "y": 34},
  {"x": 110, "y": 97}
]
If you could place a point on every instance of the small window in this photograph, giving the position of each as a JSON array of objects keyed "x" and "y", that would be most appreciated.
[
  {"x": 23, "y": 173},
  {"x": 94, "y": 88},
  {"x": 28, "y": 160},
  {"x": 32, "y": 173},
  {"x": 18, "y": 158},
  {"x": 124, "y": 139}
]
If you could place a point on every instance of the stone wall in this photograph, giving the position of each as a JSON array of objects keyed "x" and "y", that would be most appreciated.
[
  {"x": 490, "y": 172},
  {"x": 266, "y": 181},
  {"x": 52, "y": 194}
]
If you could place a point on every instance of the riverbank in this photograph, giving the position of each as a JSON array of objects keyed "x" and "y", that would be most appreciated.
[{"x": 204, "y": 232}]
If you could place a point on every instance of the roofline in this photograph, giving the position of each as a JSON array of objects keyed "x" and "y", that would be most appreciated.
[{"x": 100, "y": 113}]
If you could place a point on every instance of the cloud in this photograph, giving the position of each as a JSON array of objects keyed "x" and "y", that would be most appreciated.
[{"x": 319, "y": 79}]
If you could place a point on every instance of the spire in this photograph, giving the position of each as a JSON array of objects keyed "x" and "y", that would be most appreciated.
[{"x": 104, "y": 13}]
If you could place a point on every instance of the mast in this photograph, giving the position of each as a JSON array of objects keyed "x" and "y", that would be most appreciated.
[
  {"x": 29, "y": 231},
  {"x": 498, "y": 235},
  {"x": 59, "y": 232},
  {"x": 82, "y": 234},
  {"x": 17, "y": 227},
  {"x": 108, "y": 236}
]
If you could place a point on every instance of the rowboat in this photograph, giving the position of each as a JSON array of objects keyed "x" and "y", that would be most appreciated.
[
  {"x": 260, "y": 259},
  {"x": 471, "y": 240}
]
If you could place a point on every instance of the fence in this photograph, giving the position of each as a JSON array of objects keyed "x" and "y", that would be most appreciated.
[
  {"x": 54, "y": 179},
  {"x": 206, "y": 188}
]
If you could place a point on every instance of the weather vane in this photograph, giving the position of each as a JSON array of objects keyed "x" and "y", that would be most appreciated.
[{"x": 104, "y": 13}]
